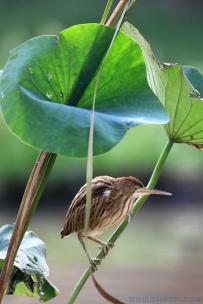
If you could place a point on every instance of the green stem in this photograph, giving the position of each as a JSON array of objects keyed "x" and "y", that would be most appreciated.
[
  {"x": 42, "y": 183},
  {"x": 122, "y": 226},
  {"x": 91, "y": 139},
  {"x": 128, "y": 4},
  {"x": 153, "y": 180},
  {"x": 106, "y": 12},
  {"x": 33, "y": 191},
  {"x": 130, "y": 7}
]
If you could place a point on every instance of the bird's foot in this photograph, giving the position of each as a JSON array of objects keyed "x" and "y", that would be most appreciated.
[
  {"x": 94, "y": 262},
  {"x": 106, "y": 247}
]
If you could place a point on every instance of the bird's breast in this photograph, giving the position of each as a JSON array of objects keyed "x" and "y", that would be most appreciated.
[{"x": 115, "y": 212}]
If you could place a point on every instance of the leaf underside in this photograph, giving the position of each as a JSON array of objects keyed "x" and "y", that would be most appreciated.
[
  {"x": 179, "y": 89},
  {"x": 28, "y": 276}
]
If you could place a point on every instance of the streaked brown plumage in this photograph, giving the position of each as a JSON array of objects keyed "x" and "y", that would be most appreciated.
[{"x": 112, "y": 201}]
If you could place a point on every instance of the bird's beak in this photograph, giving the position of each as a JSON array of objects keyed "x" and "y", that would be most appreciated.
[{"x": 148, "y": 191}]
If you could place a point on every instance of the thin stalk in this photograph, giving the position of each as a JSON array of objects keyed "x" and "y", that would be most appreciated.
[
  {"x": 89, "y": 173},
  {"x": 44, "y": 177},
  {"x": 106, "y": 11},
  {"x": 122, "y": 226},
  {"x": 116, "y": 12},
  {"x": 119, "y": 8},
  {"x": 130, "y": 7},
  {"x": 32, "y": 194}
]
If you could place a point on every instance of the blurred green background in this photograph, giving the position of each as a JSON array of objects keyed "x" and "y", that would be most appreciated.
[{"x": 168, "y": 231}]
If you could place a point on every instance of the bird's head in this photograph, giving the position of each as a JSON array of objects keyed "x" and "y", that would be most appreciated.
[{"x": 133, "y": 186}]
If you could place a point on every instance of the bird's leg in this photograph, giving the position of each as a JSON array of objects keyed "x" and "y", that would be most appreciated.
[
  {"x": 104, "y": 246},
  {"x": 93, "y": 261}
]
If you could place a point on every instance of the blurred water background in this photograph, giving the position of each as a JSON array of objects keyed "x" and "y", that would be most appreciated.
[{"x": 161, "y": 252}]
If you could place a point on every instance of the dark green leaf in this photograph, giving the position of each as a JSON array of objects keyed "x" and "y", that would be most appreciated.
[
  {"x": 48, "y": 84},
  {"x": 196, "y": 79},
  {"x": 28, "y": 276}
]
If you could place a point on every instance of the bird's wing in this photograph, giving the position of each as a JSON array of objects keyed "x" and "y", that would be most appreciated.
[{"x": 76, "y": 214}]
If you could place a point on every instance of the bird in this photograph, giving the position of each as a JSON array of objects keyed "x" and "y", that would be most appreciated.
[{"x": 111, "y": 201}]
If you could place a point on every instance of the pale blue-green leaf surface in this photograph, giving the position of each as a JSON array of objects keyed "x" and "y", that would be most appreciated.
[{"x": 30, "y": 270}]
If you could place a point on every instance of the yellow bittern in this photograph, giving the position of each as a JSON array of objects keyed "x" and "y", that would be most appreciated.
[{"x": 112, "y": 200}]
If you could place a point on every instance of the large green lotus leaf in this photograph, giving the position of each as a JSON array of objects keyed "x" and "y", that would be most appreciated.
[
  {"x": 28, "y": 276},
  {"x": 48, "y": 84},
  {"x": 179, "y": 94}
]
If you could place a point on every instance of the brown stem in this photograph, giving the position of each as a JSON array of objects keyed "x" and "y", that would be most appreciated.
[
  {"x": 18, "y": 232},
  {"x": 116, "y": 12}
]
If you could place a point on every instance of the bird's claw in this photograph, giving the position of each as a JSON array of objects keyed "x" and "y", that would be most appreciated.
[
  {"x": 94, "y": 262},
  {"x": 106, "y": 247}
]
